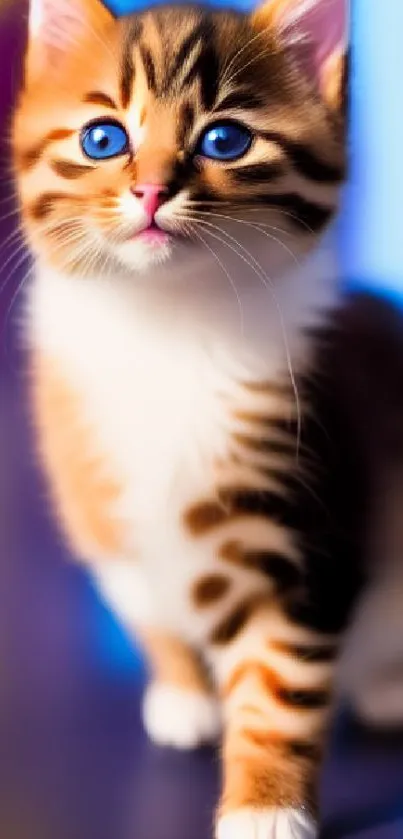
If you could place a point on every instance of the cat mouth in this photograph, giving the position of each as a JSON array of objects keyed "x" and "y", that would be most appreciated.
[{"x": 153, "y": 234}]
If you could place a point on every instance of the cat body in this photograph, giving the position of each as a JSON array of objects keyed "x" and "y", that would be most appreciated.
[
  {"x": 176, "y": 181},
  {"x": 148, "y": 359}
]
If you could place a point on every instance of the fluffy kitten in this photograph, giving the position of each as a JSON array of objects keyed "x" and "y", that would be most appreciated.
[{"x": 176, "y": 170}]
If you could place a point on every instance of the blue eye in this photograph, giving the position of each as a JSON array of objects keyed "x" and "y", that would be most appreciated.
[
  {"x": 103, "y": 140},
  {"x": 225, "y": 141}
]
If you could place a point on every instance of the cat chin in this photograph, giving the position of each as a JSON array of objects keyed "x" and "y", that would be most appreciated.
[{"x": 142, "y": 255}]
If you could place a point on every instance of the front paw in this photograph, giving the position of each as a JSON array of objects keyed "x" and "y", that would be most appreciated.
[
  {"x": 270, "y": 823},
  {"x": 182, "y": 719}
]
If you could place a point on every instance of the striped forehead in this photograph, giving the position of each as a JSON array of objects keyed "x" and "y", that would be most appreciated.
[{"x": 171, "y": 55}]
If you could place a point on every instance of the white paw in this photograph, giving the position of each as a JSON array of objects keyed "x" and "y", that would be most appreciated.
[
  {"x": 179, "y": 718},
  {"x": 273, "y": 823}
]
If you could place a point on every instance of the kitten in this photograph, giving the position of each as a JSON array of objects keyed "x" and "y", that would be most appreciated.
[{"x": 176, "y": 171}]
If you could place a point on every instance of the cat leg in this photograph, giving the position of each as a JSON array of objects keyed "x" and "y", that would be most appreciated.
[
  {"x": 275, "y": 681},
  {"x": 180, "y": 708}
]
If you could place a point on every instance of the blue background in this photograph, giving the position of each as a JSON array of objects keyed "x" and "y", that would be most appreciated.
[{"x": 371, "y": 234}]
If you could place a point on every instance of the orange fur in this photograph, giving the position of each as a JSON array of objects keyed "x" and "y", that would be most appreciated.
[
  {"x": 83, "y": 488},
  {"x": 172, "y": 662}
]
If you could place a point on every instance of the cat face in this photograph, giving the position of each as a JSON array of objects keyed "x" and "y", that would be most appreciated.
[{"x": 141, "y": 139}]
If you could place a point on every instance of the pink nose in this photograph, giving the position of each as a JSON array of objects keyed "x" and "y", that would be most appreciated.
[{"x": 151, "y": 197}]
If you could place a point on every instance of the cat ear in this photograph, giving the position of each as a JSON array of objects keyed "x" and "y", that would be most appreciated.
[
  {"x": 317, "y": 32},
  {"x": 56, "y": 26}
]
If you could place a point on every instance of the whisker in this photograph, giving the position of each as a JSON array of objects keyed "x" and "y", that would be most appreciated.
[
  {"x": 227, "y": 274},
  {"x": 267, "y": 282},
  {"x": 225, "y": 80},
  {"x": 259, "y": 230}
]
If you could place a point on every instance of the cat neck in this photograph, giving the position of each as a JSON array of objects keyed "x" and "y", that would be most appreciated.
[{"x": 229, "y": 308}]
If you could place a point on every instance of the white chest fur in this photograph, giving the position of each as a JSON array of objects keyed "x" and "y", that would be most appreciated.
[{"x": 153, "y": 372}]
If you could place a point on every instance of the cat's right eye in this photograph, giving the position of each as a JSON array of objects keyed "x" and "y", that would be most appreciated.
[{"x": 104, "y": 139}]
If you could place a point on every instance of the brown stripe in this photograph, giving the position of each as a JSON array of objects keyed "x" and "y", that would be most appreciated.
[
  {"x": 149, "y": 68},
  {"x": 314, "y": 653},
  {"x": 306, "y": 699},
  {"x": 268, "y": 388},
  {"x": 96, "y": 97},
  {"x": 272, "y": 684},
  {"x": 239, "y": 502},
  {"x": 309, "y": 751},
  {"x": 209, "y": 589},
  {"x": 227, "y": 630},
  {"x": 186, "y": 120},
  {"x": 127, "y": 72},
  {"x": 183, "y": 54},
  {"x": 204, "y": 516},
  {"x": 264, "y": 739},
  {"x": 283, "y": 572},
  {"x": 242, "y": 97},
  {"x": 28, "y": 158},
  {"x": 70, "y": 171},
  {"x": 264, "y": 444},
  {"x": 297, "y": 748},
  {"x": 241, "y": 672},
  {"x": 44, "y": 205},
  {"x": 305, "y": 161},
  {"x": 257, "y": 173}
]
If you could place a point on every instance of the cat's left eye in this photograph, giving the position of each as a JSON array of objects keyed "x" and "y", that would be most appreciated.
[
  {"x": 225, "y": 141},
  {"x": 103, "y": 140}
]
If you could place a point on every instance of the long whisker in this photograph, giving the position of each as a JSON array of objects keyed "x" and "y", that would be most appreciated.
[
  {"x": 245, "y": 208},
  {"x": 235, "y": 57},
  {"x": 255, "y": 266},
  {"x": 256, "y": 57},
  {"x": 259, "y": 230},
  {"x": 228, "y": 275},
  {"x": 193, "y": 205}
]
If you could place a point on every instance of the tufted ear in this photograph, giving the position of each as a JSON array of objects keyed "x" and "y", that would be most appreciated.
[
  {"x": 317, "y": 32},
  {"x": 57, "y": 26}
]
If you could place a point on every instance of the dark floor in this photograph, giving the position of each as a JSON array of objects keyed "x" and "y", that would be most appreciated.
[{"x": 74, "y": 763}]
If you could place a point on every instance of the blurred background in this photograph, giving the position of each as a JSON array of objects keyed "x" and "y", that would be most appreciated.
[{"x": 74, "y": 763}]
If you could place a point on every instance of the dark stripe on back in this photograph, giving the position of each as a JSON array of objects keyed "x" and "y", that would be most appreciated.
[
  {"x": 209, "y": 589},
  {"x": 257, "y": 172},
  {"x": 240, "y": 502},
  {"x": 227, "y": 630},
  {"x": 283, "y": 572},
  {"x": 44, "y": 205},
  {"x": 311, "y": 653},
  {"x": 149, "y": 68},
  {"x": 70, "y": 171},
  {"x": 204, "y": 517},
  {"x": 96, "y": 97},
  {"x": 265, "y": 445},
  {"x": 305, "y": 161}
]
